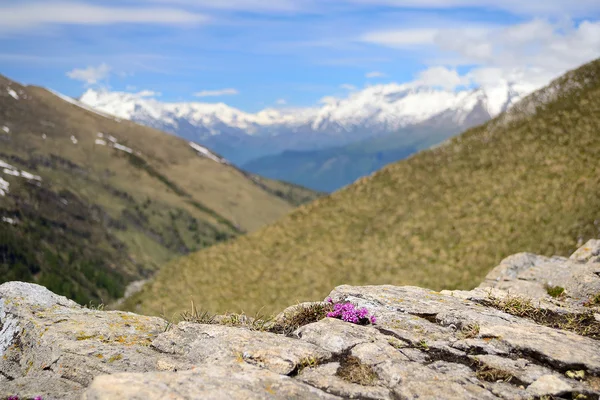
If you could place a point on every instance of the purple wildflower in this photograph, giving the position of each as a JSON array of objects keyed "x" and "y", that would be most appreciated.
[
  {"x": 13, "y": 398},
  {"x": 37, "y": 398},
  {"x": 350, "y": 313}
]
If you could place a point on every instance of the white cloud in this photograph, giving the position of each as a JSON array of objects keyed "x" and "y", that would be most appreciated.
[
  {"x": 535, "y": 51},
  {"x": 215, "y": 93},
  {"x": 281, "y": 102},
  {"x": 347, "y": 86},
  {"x": 148, "y": 93},
  {"x": 23, "y": 17},
  {"x": 580, "y": 8},
  {"x": 90, "y": 75},
  {"x": 328, "y": 100},
  {"x": 401, "y": 37},
  {"x": 375, "y": 74},
  {"x": 442, "y": 77},
  {"x": 575, "y": 8},
  {"x": 245, "y": 5}
]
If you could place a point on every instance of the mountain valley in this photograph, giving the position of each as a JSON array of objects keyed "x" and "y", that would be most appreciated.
[{"x": 90, "y": 203}]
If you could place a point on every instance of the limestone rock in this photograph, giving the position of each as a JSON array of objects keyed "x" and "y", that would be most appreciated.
[
  {"x": 425, "y": 344},
  {"x": 47, "y": 338},
  {"x": 549, "y": 385},
  {"x": 589, "y": 252},
  {"x": 221, "y": 381},
  {"x": 209, "y": 344},
  {"x": 531, "y": 275}
]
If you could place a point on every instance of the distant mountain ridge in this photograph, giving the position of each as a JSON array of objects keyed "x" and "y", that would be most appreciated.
[{"x": 374, "y": 111}]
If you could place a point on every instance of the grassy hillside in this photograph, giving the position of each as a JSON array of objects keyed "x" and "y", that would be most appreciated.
[
  {"x": 331, "y": 169},
  {"x": 526, "y": 181},
  {"x": 114, "y": 200}
]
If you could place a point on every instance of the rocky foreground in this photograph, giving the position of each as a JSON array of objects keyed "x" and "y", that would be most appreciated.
[{"x": 530, "y": 331}]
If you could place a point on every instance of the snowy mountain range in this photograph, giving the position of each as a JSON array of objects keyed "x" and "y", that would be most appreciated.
[{"x": 374, "y": 111}]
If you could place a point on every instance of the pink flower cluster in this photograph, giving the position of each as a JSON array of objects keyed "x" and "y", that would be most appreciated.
[
  {"x": 350, "y": 313},
  {"x": 17, "y": 398}
]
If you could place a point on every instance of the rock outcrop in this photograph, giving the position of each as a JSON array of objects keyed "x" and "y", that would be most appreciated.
[{"x": 530, "y": 331}]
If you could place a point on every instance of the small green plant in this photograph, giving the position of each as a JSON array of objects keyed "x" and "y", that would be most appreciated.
[
  {"x": 555, "y": 291},
  {"x": 423, "y": 345},
  {"x": 352, "y": 370},
  {"x": 579, "y": 375}
]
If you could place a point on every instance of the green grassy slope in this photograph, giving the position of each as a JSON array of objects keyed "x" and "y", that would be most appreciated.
[
  {"x": 526, "y": 181},
  {"x": 102, "y": 217}
]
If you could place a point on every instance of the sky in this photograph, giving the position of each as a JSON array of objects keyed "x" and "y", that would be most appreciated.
[{"x": 255, "y": 54}]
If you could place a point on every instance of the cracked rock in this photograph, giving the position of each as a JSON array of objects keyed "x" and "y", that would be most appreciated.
[{"x": 425, "y": 345}]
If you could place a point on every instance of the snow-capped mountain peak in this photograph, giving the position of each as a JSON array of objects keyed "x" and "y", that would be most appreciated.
[{"x": 375, "y": 110}]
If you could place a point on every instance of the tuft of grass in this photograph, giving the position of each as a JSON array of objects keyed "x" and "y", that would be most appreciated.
[
  {"x": 470, "y": 331},
  {"x": 352, "y": 370},
  {"x": 555, "y": 291},
  {"x": 584, "y": 324},
  {"x": 307, "y": 362},
  {"x": 593, "y": 301},
  {"x": 97, "y": 307},
  {"x": 423, "y": 345},
  {"x": 197, "y": 316},
  {"x": 489, "y": 374},
  {"x": 257, "y": 323},
  {"x": 301, "y": 316}
]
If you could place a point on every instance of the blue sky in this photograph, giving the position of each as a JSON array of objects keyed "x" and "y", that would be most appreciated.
[{"x": 253, "y": 54}]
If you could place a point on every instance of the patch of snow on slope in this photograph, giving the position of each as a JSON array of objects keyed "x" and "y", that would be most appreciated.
[
  {"x": 122, "y": 148},
  {"x": 12, "y": 93},
  {"x": 73, "y": 139},
  {"x": 12, "y": 172},
  {"x": 207, "y": 153},
  {"x": 6, "y": 129},
  {"x": 4, "y": 187},
  {"x": 44, "y": 136},
  {"x": 112, "y": 138},
  {"x": 100, "y": 142},
  {"x": 6, "y": 165},
  {"x": 29, "y": 176},
  {"x": 9, "y": 220}
]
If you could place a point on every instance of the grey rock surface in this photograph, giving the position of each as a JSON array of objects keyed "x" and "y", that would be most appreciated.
[{"x": 425, "y": 345}]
